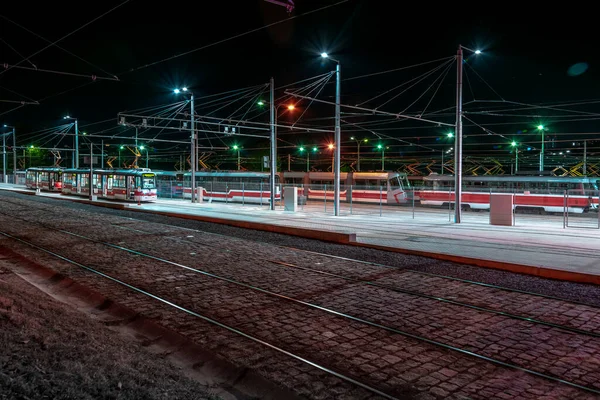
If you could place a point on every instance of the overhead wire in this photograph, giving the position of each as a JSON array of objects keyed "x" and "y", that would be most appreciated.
[
  {"x": 12, "y": 48},
  {"x": 397, "y": 69},
  {"x": 232, "y": 37},
  {"x": 441, "y": 78},
  {"x": 52, "y": 44},
  {"x": 484, "y": 81},
  {"x": 69, "y": 34},
  {"x": 417, "y": 79}
]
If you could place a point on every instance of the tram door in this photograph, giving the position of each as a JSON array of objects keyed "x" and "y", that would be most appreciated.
[
  {"x": 104, "y": 185},
  {"x": 131, "y": 187}
]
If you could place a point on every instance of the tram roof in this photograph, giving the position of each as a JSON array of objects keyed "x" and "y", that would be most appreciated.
[
  {"x": 132, "y": 171},
  {"x": 241, "y": 174},
  {"x": 509, "y": 178},
  {"x": 45, "y": 169}
]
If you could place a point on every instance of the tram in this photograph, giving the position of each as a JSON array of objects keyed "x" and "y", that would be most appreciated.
[
  {"x": 232, "y": 186},
  {"x": 169, "y": 184},
  {"x": 114, "y": 184},
  {"x": 361, "y": 187},
  {"x": 44, "y": 178},
  {"x": 531, "y": 193}
]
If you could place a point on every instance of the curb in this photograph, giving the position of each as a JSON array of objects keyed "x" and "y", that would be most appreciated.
[
  {"x": 542, "y": 272},
  {"x": 235, "y": 382},
  {"x": 335, "y": 237}
]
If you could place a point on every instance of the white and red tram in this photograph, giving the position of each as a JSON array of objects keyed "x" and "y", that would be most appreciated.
[
  {"x": 117, "y": 184},
  {"x": 232, "y": 186},
  {"x": 44, "y": 178},
  {"x": 541, "y": 193},
  {"x": 361, "y": 187}
]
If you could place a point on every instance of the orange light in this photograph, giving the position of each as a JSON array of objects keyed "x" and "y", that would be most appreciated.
[
  {"x": 330, "y": 146},
  {"x": 291, "y": 107}
]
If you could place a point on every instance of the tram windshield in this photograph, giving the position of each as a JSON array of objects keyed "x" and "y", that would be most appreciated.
[{"x": 148, "y": 181}]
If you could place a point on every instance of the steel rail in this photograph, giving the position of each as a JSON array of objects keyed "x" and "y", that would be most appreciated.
[
  {"x": 204, "y": 317},
  {"x": 311, "y": 305}
]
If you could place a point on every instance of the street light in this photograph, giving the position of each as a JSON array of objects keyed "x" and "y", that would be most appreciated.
[
  {"x": 516, "y": 146},
  {"x": 458, "y": 134},
  {"x": 14, "y": 155},
  {"x": 542, "y": 129},
  {"x": 120, "y": 148},
  {"x": 30, "y": 150},
  {"x": 142, "y": 147},
  {"x": 273, "y": 139},
  {"x": 193, "y": 143},
  {"x": 382, "y": 148},
  {"x": 358, "y": 142},
  {"x": 314, "y": 150},
  {"x": 75, "y": 160},
  {"x": 338, "y": 144},
  {"x": 237, "y": 148},
  {"x": 331, "y": 146}
]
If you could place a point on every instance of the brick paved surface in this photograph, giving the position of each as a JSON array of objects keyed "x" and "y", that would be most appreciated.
[{"x": 399, "y": 365}]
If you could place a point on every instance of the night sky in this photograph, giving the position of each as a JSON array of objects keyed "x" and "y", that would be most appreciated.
[{"x": 527, "y": 56}]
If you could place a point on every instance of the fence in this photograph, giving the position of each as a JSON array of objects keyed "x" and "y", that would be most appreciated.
[
  {"x": 424, "y": 204},
  {"x": 580, "y": 209}
]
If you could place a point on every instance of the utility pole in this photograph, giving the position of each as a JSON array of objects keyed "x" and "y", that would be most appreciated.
[
  {"x": 4, "y": 158},
  {"x": 102, "y": 156},
  {"x": 193, "y": 150},
  {"x": 585, "y": 158},
  {"x": 91, "y": 171},
  {"x": 442, "y": 169},
  {"x": 338, "y": 142},
  {"x": 273, "y": 145},
  {"x": 76, "y": 144},
  {"x": 458, "y": 139},
  {"x": 14, "y": 155}
]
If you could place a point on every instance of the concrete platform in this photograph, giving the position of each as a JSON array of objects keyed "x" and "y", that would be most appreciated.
[{"x": 536, "y": 245}]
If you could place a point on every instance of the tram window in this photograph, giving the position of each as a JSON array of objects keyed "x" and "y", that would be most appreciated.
[
  {"x": 394, "y": 183},
  {"x": 148, "y": 181},
  {"x": 368, "y": 184},
  {"x": 119, "y": 181}
]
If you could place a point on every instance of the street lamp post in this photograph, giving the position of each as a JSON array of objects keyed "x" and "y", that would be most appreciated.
[
  {"x": 273, "y": 139},
  {"x": 75, "y": 160},
  {"x": 120, "y": 148},
  {"x": 142, "y": 147},
  {"x": 358, "y": 143},
  {"x": 192, "y": 142},
  {"x": 338, "y": 144},
  {"x": 91, "y": 171},
  {"x": 331, "y": 147},
  {"x": 542, "y": 129},
  {"x": 382, "y": 148},
  {"x": 516, "y": 146},
  {"x": 237, "y": 148},
  {"x": 458, "y": 134},
  {"x": 14, "y": 149}
]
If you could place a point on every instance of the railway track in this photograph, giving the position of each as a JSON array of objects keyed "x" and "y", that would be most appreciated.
[
  {"x": 399, "y": 289},
  {"x": 204, "y": 317},
  {"x": 308, "y": 304}
]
